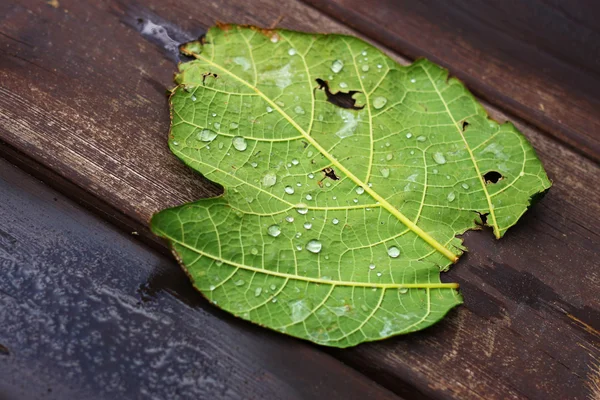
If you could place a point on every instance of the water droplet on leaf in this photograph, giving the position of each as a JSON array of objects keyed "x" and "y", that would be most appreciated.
[
  {"x": 269, "y": 179},
  {"x": 289, "y": 190},
  {"x": 302, "y": 209},
  {"x": 393, "y": 252},
  {"x": 439, "y": 158},
  {"x": 337, "y": 66},
  {"x": 206, "y": 135},
  {"x": 379, "y": 102},
  {"x": 274, "y": 230},
  {"x": 314, "y": 246},
  {"x": 239, "y": 143}
]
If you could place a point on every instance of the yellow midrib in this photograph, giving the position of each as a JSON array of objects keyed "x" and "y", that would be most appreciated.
[
  {"x": 382, "y": 201},
  {"x": 487, "y": 195},
  {"x": 315, "y": 280}
]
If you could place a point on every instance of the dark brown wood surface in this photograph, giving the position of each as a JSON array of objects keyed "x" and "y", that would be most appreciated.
[
  {"x": 82, "y": 104},
  {"x": 88, "y": 313}
]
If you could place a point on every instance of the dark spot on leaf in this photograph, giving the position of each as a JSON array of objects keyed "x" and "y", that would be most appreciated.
[
  {"x": 329, "y": 173},
  {"x": 464, "y": 125},
  {"x": 492, "y": 177},
  {"x": 340, "y": 99},
  {"x": 207, "y": 74}
]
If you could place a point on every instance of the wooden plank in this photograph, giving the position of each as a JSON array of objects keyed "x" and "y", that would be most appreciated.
[
  {"x": 105, "y": 131},
  {"x": 86, "y": 312},
  {"x": 538, "y": 59}
]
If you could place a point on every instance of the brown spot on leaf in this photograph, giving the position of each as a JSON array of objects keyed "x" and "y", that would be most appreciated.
[{"x": 329, "y": 173}]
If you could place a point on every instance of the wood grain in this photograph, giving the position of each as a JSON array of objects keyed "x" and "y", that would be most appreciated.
[
  {"x": 538, "y": 59},
  {"x": 86, "y": 312},
  {"x": 83, "y": 94}
]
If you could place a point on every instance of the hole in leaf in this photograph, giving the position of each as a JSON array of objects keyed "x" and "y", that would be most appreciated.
[
  {"x": 482, "y": 217},
  {"x": 464, "y": 125},
  {"x": 329, "y": 173},
  {"x": 492, "y": 177},
  {"x": 340, "y": 99},
  {"x": 207, "y": 74}
]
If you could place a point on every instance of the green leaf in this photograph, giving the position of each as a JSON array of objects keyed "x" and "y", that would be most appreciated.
[{"x": 347, "y": 179}]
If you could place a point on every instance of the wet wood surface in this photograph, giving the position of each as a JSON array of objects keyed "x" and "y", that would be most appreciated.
[
  {"x": 83, "y": 107},
  {"x": 88, "y": 312}
]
